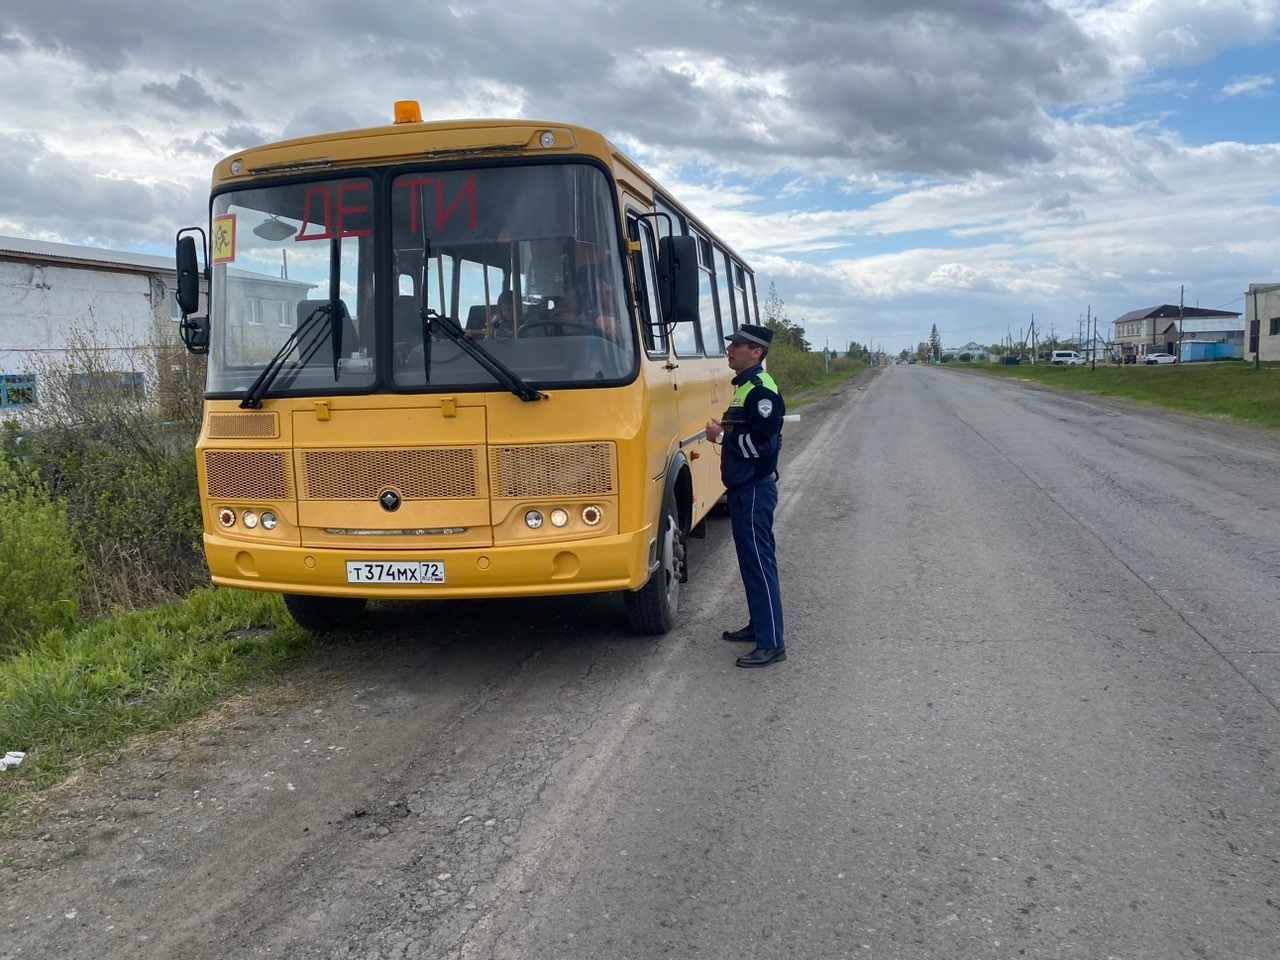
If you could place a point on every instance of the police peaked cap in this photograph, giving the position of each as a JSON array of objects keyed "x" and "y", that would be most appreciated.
[{"x": 752, "y": 335}]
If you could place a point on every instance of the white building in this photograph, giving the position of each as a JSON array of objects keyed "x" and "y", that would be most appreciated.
[
  {"x": 1262, "y": 303},
  {"x": 62, "y": 305}
]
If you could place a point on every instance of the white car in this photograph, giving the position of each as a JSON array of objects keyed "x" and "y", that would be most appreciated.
[{"x": 1159, "y": 358}]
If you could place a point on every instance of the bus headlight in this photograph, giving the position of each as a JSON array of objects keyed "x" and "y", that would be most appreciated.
[
  {"x": 227, "y": 517},
  {"x": 269, "y": 521},
  {"x": 533, "y": 519},
  {"x": 250, "y": 519},
  {"x": 592, "y": 515},
  {"x": 559, "y": 517}
]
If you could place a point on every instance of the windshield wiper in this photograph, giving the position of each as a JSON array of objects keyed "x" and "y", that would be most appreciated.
[
  {"x": 495, "y": 367},
  {"x": 326, "y": 312}
]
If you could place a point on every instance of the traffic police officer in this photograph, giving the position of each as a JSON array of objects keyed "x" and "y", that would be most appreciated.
[{"x": 751, "y": 434}]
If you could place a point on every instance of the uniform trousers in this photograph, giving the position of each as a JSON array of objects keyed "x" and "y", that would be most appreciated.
[{"x": 751, "y": 515}]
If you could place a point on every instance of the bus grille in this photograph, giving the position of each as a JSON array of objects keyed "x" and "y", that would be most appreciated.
[
  {"x": 243, "y": 426},
  {"x": 551, "y": 470},
  {"x": 247, "y": 475},
  {"x": 429, "y": 474}
]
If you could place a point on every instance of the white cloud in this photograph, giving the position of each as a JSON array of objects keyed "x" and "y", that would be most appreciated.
[
  {"x": 1248, "y": 86},
  {"x": 1150, "y": 34}
]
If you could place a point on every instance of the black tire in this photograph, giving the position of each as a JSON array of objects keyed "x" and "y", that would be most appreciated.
[
  {"x": 652, "y": 609},
  {"x": 325, "y": 614}
]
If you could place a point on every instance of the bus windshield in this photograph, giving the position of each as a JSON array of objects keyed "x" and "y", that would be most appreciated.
[{"x": 524, "y": 258}]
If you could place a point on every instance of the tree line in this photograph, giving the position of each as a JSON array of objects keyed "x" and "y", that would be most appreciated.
[{"x": 790, "y": 334}]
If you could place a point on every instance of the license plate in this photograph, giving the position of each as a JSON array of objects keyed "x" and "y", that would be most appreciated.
[{"x": 425, "y": 571}]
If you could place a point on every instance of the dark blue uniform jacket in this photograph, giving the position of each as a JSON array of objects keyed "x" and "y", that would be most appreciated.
[{"x": 752, "y": 430}]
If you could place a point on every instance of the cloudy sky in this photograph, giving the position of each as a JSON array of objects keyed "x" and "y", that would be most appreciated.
[{"x": 887, "y": 164}]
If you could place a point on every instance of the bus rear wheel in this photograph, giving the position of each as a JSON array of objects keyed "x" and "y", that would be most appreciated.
[
  {"x": 651, "y": 610},
  {"x": 325, "y": 614}
]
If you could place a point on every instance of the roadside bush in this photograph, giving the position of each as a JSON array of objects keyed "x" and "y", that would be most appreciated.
[
  {"x": 40, "y": 568},
  {"x": 125, "y": 479},
  {"x": 133, "y": 512},
  {"x": 793, "y": 369}
]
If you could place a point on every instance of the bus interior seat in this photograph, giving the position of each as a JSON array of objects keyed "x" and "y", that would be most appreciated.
[
  {"x": 320, "y": 330},
  {"x": 406, "y": 323}
]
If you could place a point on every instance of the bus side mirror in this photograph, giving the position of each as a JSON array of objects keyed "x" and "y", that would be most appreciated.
[
  {"x": 188, "y": 275},
  {"x": 678, "y": 278},
  {"x": 195, "y": 330}
]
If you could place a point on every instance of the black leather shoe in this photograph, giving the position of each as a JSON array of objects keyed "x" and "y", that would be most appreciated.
[
  {"x": 745, "y": 634},
  {"x": 763, "y": 656}
]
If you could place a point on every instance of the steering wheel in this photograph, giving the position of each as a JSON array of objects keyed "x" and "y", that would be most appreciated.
[{"x": 562, "y": 327}]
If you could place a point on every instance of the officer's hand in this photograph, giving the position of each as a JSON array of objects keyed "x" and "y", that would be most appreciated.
[{"x": 714, "y": 429}]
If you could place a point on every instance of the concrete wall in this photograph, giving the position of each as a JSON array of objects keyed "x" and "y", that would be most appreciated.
[
  {"x": 1265, "y": 299},
  {"x": 114, "y": 315}
]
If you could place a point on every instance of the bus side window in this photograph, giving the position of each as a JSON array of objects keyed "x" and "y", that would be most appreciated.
[
  {"x": 724, "y": 291},
  {"x": 712, "y": 341},
  {"x": 741, "y": 300},
  {"x": 644, "y": 264}
]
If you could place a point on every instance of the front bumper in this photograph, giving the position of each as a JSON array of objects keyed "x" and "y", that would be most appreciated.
[{"x": 529, "y": 570}]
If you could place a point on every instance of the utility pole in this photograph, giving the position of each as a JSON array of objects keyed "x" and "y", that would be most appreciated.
[
  {"x": 1089, "y": 321},
  {"x": 1256, "y": 331},
  {"x": 1182, "y": 290}
]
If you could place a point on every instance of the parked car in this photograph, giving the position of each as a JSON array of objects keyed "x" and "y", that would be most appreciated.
[
  {"x": 1066, "y": 358},
  {"x": 1160, "y": 358}
]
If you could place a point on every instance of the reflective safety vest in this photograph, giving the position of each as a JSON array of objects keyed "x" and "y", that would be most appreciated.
[{"x": 761, "y": 379}]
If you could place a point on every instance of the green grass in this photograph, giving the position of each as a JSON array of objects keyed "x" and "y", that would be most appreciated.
[
  {"x": 1233, "y": 392},
  {"x": 815, "y": 389},
  {"x": 73, "y": 698}
]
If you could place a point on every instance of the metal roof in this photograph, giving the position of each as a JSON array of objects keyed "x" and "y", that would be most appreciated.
[
  {"x": 1170, "y": 311},
  {"x": 95, "y": 255},
  {"x": 1193, "y": 325},
  {"x": 120, "y": 260}
]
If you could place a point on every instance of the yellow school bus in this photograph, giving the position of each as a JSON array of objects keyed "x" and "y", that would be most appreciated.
[{"x": 453, "y": 360}]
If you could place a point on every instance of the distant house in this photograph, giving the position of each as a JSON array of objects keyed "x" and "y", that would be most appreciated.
[
  {"x": 1156, "y": 329},
  {"x": 58, "y": 300},
  {"x": 1262, "y": 318},
  {"x": 975, "y": 350}
]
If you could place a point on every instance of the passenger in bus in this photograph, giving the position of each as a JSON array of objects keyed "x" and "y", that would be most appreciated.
[{"x": 502, "y": 324}]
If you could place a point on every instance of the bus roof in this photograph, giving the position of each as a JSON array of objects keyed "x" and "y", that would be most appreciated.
[{"x": 400, "y": 142}]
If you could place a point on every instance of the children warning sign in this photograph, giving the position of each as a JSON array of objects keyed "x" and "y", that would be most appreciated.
[{"x": 224, "y": 238}]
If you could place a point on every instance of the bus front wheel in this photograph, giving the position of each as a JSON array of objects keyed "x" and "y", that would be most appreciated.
[
  {"x": 325, "y": 614},
  {"x": 651, "y": 610}
]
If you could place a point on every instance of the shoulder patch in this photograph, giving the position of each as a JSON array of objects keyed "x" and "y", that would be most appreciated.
[{"x": 765, "y": 407}]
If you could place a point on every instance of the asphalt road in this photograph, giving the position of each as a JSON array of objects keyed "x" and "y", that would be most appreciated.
[{"x": 1030, "y": 710}]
